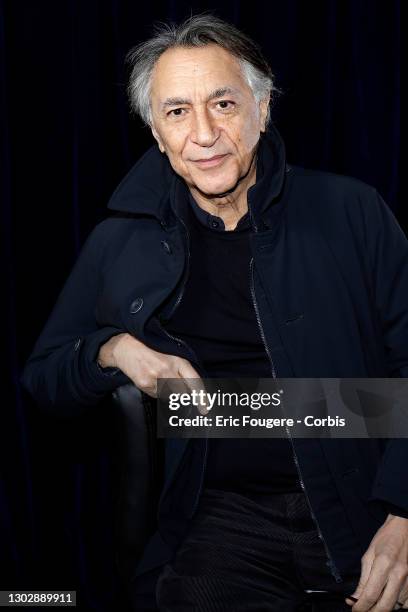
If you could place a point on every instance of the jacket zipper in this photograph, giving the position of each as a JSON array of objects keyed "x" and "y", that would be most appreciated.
[{"x": 333, "y": 569}]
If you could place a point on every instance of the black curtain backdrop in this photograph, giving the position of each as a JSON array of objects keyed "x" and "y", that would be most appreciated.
[{"x": 66, "y": 140}]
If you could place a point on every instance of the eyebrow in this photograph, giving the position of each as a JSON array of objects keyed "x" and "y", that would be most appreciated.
[{"x": 217, "y": 93}]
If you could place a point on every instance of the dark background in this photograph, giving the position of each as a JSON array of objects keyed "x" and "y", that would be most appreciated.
[{"x": 66, "y": 140}]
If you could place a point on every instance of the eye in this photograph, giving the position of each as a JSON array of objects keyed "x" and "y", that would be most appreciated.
[
  {"x": 176, "y": 112},
  {"x": 226, "y": 104}
]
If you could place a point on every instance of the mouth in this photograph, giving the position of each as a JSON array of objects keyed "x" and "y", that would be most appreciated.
[{"x": 210, "y": 162}]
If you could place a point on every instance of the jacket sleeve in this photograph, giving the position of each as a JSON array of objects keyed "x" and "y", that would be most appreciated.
[
  {"x": 62, "y": 373},
  {"x": 388, "y": 250}
]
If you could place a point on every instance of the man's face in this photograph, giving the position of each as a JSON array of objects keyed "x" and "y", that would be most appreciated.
[{"x": 205, "y": 117}]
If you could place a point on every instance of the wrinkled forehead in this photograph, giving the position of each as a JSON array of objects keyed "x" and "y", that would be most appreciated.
[{"x": 182, "y": 73}]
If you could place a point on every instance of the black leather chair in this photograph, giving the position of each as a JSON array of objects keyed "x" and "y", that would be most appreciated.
[{"x": 140, "y": 471}]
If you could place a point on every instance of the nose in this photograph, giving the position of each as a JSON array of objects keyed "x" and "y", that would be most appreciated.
[{"x": 204, "y": 131}]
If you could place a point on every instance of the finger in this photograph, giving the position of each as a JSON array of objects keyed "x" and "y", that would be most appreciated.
[
  {"x": 148, "y": 387},
  {"x": 391, "y": 594},
  {"x": 173, "y": 380},
  {"x": 196, "y": 386},
  {"x": 366, "y": 565},
  {"x": 403, "y": 595},
  {"x": 186, "y": 370},
  {"x": 376, "y": 582},
  {"x": 350, "y": 600}
]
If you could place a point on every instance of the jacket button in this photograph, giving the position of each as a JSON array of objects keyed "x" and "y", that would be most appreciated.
[
  {"x": 166, "y": 246},
  {"x": 136, "y": 305}
]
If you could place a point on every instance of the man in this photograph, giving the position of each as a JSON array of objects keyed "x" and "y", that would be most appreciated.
[{"x": 225, "y": 261}]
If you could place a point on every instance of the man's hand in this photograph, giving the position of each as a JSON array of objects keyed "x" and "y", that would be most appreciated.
[
  {"x": 384, "y": 569},
  {"x": 144, "y": 365}
]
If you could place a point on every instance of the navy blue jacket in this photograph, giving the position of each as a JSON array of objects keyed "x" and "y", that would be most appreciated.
[{"x": 330, "y": 281}]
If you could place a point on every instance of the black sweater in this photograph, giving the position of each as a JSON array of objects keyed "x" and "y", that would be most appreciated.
[{"x": 216, "y": 317}]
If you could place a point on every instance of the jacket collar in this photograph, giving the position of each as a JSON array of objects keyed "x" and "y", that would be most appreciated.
[
  {"x": 270, "y": 177},
  {"x": 153, "y": 188}
]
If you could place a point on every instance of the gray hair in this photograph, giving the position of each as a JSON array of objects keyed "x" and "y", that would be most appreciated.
[{"x": 196, "y": 31}]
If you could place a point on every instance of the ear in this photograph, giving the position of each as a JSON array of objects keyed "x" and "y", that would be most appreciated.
[
  {"x": 263, "y": 113},
  {"x": 157, "y": 138}
]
